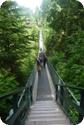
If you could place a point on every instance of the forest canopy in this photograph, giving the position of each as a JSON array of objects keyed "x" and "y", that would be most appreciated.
[
  {"x": 63, "y": 26},
  {"x": 18, "y": 48},
  {"x": 62, "y": 22},
  {"x": 64, "y": 38}
]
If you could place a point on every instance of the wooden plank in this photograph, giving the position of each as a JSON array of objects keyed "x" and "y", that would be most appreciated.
[{"x": 46, "y": 113}]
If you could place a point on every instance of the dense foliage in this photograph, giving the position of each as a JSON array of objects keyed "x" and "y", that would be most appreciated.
[
  {"x": 64, "y": 39},
  {"x": 18, "y": 47}
]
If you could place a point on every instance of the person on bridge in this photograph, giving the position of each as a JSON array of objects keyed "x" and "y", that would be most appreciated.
[
  {"x": 38, "y": 62},
  {"x": 44, "y": 59}
]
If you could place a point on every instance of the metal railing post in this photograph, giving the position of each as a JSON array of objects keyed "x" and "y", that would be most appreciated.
[
  {"x": 56, "y": 92},
  {"x": 81, "y": 105},
  {"x": 15, "y": 104},
  {"x": 29, "y": 103},
  {"x": 61, "y": 94},
  {"x": 31, "y": 99}
]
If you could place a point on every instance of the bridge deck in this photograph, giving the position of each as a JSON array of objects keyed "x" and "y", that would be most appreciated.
[
  {"x": 43, "y": 92},
  {"x": 45, "y": 111}
]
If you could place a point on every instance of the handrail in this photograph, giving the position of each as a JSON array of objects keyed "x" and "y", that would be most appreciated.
[
  {"x": 76, "y": 101},
  {"x": 26, "y": 86},
  {"x": 5, "y": 95},
  {"x": 11, "y": 93},
  {"x": 66, "y": 98},
  {"x": 21, "y": 99},
  {"x": 70, "y": 86},
  {"x": 64, "y": 85}
]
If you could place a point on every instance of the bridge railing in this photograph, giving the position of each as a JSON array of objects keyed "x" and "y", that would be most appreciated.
[
  {"x": 21, "y": 99},
  {"x": 73, "y": 108}
]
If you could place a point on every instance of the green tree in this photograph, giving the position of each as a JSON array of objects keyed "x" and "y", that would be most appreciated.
[
  {"x": 64, "y": 42},
  {"x": 18, "y": 48},
  {"x": 15, "y": 38}
]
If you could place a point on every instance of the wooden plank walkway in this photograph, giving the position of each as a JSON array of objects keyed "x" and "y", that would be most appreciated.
[
  {"x": 44, "y": 91},
  {"x": 45, "y": 111}
]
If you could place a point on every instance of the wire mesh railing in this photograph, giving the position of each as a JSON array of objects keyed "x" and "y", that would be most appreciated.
[
  {"x": 21, "y": 100},
  {"x": 73, "y": 108}
]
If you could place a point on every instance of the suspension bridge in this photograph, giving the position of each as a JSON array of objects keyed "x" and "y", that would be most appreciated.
[{"x": 45, "y": 100}]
